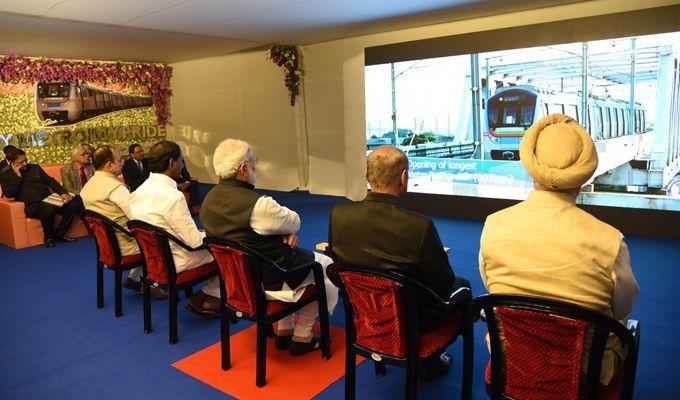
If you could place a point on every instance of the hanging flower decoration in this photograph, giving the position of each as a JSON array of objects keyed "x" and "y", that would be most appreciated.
[
  {"x": 151, "y": 79},
  {"x": 289, "y": 57}
]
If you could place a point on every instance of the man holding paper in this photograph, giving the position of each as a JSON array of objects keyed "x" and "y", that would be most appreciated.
[{"x": 30, "y": 184}]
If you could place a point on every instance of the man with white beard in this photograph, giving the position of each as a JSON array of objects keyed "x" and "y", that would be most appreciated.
[{"x": 233, "y": 210}]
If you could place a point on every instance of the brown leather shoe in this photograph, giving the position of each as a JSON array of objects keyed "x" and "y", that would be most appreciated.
[
  {"x": 157, "y": 293},
  {"x": 132, "y": 284},
  {"x": 204, "y": 305}
]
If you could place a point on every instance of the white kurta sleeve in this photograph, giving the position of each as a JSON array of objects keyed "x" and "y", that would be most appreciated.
[
  {"x": 121, "y": 196},
  {"x": 626, "y": 288},
  {"x": 183, "y": 226},
  {"x": 271, "y": 218}
]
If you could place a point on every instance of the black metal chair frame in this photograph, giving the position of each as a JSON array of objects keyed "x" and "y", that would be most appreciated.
[
  {"x": 460, "y": 299},
  {"x": 117, "y": 267},
  {"x": 257, "y": 263},
  {"x": 601, "y": 323},
  {"x": 172, "y": 286}
]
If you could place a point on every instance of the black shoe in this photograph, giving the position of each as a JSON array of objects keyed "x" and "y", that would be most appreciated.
[
  {"x": 49, "y": 243},
  {"x": 301, "y": 348},
  {"x": 131, "y": 284},
  {"x": 435, "y": 367},
  {"x": 67, "y": 238},
  {"x": 282, "y": 342}
]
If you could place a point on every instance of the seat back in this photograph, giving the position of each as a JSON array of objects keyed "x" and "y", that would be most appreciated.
[
  {"x": 235, "y": 271},
  {"x": 154, "y": 245},
  {"x": 377, "y": 304},
  {"x": 538, "y": 348},
  {"x": 102, "y": 228}
]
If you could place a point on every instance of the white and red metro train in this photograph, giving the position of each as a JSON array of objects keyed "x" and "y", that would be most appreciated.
[{"x": 71, "y": 102}]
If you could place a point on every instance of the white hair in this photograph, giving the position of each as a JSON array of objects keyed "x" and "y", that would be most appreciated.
[
  {"x": 229, "y": 155},
  {"x": 77, "y": 150}
]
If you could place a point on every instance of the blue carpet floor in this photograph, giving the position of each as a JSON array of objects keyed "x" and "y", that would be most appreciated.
[{"x": 55, "y": 343}]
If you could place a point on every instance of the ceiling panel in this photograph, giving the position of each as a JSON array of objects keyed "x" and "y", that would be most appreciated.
[
  {"x": 114, "y": 12},
  {"x": 175, "y": 30},
  {"x": 188, "y": 16}
]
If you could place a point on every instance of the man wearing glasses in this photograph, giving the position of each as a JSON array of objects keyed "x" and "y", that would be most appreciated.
[
  {"x": 233, "y": 210},
  {"x": 75, "y": 174},
  {"x": 30, "y": 184}
]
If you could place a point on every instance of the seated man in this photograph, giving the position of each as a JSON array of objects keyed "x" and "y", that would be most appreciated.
[
  {"x": 135, "y": 168},
  {"x": 4, "y": 164},
  {"x": 157, "y": 201},
  {"x": 546, "y": 246},
  {"x": 75, "y": 174},
  {"x": 108, "y": 196},
  {"x": 31, "y": 184},
  {"x": 233, "y": 210},
  {"x": 378, "y": 234},
  {"x": 186, "y": 185}
]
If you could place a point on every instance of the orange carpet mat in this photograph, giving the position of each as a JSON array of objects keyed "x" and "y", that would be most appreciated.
[{"x": 288, "y": 377}]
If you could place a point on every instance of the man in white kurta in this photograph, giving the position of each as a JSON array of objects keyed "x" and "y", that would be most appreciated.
[
  {"x": 158, "y": 202},
  {"x": 233, "y": 210},
  {"x": 546, "y": 246}
]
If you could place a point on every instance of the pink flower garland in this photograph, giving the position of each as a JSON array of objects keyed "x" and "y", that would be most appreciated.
[{"x": 154, "y": 77}]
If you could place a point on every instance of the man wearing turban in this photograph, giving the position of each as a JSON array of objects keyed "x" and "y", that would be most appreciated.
[{"x": 546, "y": 246}]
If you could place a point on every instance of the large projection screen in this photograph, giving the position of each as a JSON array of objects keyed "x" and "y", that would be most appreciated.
[{"x": 458, "y": 106}]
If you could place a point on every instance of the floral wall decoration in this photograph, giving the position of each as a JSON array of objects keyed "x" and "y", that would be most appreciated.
[
  {"x": 289, "y": 57},
  {"x": 154, "y": 79},
  {"x": 25, "y": 119}
]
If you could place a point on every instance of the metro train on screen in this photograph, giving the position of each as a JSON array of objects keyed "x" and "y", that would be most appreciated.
[
  {"x": 67, "y": 102},
  {"x": 511, "y": 110}
]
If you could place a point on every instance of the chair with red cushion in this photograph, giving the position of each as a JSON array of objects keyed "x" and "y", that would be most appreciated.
[
  {"x": 542, "y": 352},
  {"x": 159, "y": 270},
  {"x": 108, "y": 255},
  {"x": 241, "y": 292},
  {"x": 381, "y": 322}
]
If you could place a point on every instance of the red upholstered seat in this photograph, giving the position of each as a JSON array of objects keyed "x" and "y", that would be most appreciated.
[
  {"x": 543, "y": 349},
  {"x": 196, "y": 273},
  {"x": 379, "y": 313},
  {"x": 108, "y": 255},
  {"x": 243, "y": 294},
  {"x": 131, "y": 259},
  {"x": 276, "y": 306},
  {"x": 381, "y": 317},
  {"x": 433, "y": 340},
  {"x": 543, "y": 354},
  {"x": 235, "y": 270},
  {"x": 154, "y": 243}
]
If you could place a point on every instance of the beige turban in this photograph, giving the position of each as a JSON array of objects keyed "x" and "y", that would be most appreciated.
[{"x": 558, "y": 153}]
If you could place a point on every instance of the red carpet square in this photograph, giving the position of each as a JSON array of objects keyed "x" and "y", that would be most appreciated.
[{"x": 288, "y": 377}]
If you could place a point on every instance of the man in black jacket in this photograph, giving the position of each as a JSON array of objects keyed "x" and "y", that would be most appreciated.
[
  {"x": 135, "y": 168},
  {"x": 30, "y": 184},
  {"x": 4, "y": 164},
  {"x": 378, "y": 234},
  {"x": 186, "y": 185}
]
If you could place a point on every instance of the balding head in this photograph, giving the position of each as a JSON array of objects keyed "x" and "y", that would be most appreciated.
[{"x": 387, "y": 170}]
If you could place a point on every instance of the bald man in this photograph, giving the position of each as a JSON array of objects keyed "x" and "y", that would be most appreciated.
[
  {"x": 546, "y": 246},
  {"x": 378, "y": 234}
]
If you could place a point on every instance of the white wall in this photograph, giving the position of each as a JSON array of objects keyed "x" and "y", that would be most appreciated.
[{"x": 320, "y": 143}]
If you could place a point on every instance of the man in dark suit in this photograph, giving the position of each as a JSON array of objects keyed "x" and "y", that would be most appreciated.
[
  {"x": 186, "y": 185},
  {"x": 4, "y": 164},
  {"x": 378, "y": 234},
  {"x": 135, "y": 168},
  {"x": 30, "y": 184}
]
